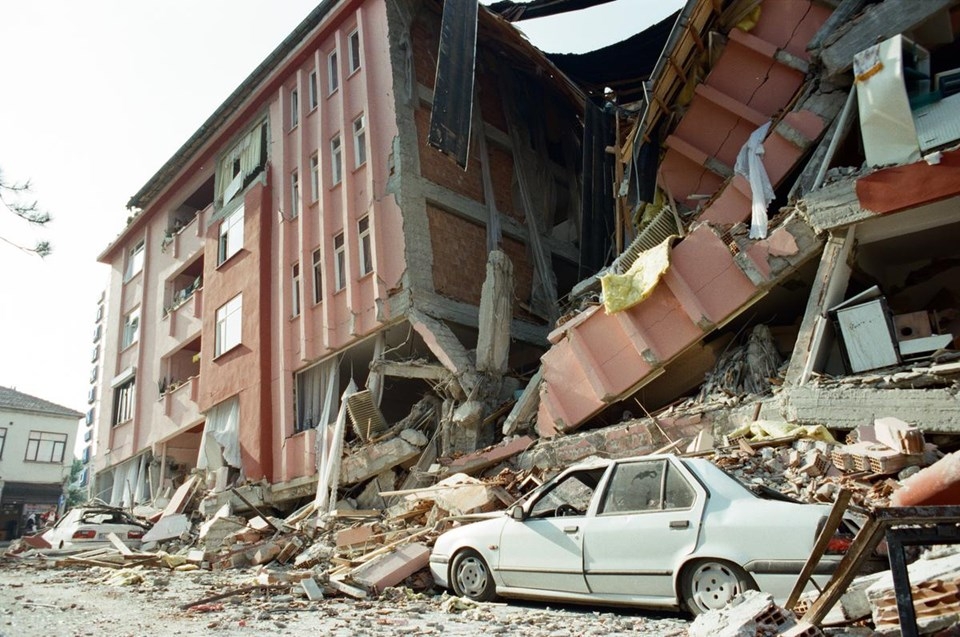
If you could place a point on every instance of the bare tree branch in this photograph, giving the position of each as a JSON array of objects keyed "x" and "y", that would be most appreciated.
[{"x": 11, "y": 197}]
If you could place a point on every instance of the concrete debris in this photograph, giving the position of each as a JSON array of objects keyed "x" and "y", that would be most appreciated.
[{"x": 752, "y": 614}]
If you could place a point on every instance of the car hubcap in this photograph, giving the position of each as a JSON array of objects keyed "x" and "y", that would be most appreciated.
[
  {"x": 714, "y": 585},
  {"x": 472, "y": 576}
]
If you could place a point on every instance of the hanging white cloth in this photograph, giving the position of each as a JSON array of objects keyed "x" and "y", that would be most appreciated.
[{"x": 750, "y": 166}]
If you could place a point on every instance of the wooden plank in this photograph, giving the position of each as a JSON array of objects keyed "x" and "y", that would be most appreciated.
[
  {"x": 119, "y": 545},
  {"x": 820, "y": 547}
]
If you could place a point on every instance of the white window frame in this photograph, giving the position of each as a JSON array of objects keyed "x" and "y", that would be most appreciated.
[
  {"x": 231, "y": 235},
  {"x": 333, "y": 73},
  {"x": 229, "y": 326},
  {"x": 353, "y": 48},
  {"x": 294, "y": 108},
  {"x": 46, "y": 446},
  {"x": 123, "y": 401},
  {"x": 134, "y": 260},
  {"x": 339, "y": 262},
  {"x": 360, "y": 141},
  {"x": 131, "y": 329},
  {"x": 363, "y": 239},
  {"x": 317, "y": 276},
  {"x": 295, "y": 289},
  {"x": 315, "y": 177},
  {"x": 336, "y": 159},
  {"x": 313, "y": 90},
  {"x": 295, "y": 193}
]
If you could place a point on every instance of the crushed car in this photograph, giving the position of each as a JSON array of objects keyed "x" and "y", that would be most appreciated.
[
  {"x": 89, "y": 527},
  {"x": 660, "y": 532}
]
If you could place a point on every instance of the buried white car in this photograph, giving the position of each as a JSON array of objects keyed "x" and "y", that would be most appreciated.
[
  {"x": 89, "y": 526},
  {"x": 655, "y": 531}
]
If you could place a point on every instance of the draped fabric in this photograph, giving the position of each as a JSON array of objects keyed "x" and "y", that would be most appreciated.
[{"x": 220, "y": 443}]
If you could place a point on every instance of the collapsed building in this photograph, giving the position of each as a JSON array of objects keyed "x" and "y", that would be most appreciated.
[{"x": 406, "y": 247}]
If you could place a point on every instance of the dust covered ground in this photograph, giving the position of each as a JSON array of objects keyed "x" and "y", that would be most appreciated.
[{"x": 38, "y": 599}]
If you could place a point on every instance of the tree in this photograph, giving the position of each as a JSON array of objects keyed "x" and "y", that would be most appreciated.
[
  {"x": 12, "y": 196},
  {"x": 76, "y": 494}
]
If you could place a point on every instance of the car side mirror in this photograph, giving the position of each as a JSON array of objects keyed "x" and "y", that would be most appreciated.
[{"x": 516, "y": 512}]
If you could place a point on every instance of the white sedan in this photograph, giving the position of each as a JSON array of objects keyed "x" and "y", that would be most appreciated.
[
  {"x": 654, "y": 531},
  {"x": 90, "y": 526}
]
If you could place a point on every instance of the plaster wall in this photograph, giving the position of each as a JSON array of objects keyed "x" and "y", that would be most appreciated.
[{"x": 19, "y": 425}]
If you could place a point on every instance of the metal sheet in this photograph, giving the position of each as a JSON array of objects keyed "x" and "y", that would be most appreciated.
[{"x": 938, "y": 124}]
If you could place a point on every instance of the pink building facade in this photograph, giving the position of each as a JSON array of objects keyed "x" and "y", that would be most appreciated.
[{"x": 283, "y": 249}]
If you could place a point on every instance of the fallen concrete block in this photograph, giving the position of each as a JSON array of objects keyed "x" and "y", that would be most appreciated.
[
  {"x": 354, "y": 535},
  {"x": 391, "y": 568},
  {"x": 485, "y": 458},
  {"x": 290, "y": 548},
  {"x": 899, "y": 435},
  {"x": 752, "y": 613},
  {"x": 312, "y": 589},
  {"x": 168, "y": 527},
  {"x": 266, "y": 553},
  {"x": 376, "y": 458}
]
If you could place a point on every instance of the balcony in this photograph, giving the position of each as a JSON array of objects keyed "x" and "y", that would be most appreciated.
[
  {"x": 186, "y": 241},
  {"x": 184, "y": 316},
  {"x": 180, "y": 410}
]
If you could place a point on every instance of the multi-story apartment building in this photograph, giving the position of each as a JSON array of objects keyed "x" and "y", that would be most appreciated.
[
  {"x": 36, "y": 439},
  {"x": 308, "y": 229}
]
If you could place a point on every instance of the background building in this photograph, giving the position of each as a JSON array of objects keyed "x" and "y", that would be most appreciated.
[{"x": 36, "y": 437}]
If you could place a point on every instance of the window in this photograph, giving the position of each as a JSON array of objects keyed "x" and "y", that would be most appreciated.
[
  {"x": 314, "y": 178},
  {"x": 310, "y": 394},
  {"x": 89, "y": 417},
  {"x": 231, "y": 235},
  {"x": 228, "y": 325},
  {"x": 95, "y": 355},
  {"x": 91, "y": 395},
  {"x": 333, "y": 72},
  {"x": 359, "y": 141},
  {"x": 44, "y": 446},
  {"x": 354, "y": 42},
  {"x": 88, "y": 435},
  {"x": 366, "y": 258},
  {"x": 134, "y": 261},
  {"x": 647, "y": 486},
  {"x": 294, "y": 108},
  {"x": 313, "y": 90},
  {"x": 131, "y": 329},
  {"x": 94, "y": 373},
  {"x": 3, "y": 440},
  {"x": 317, "y": 276},
  {"x": 339, "y": 262},
  {"x": 295, "y": 298},
  {"x": 336, "y": 160},
  {"x": 123, "y": 401},
  {"x": 294, "y": 193},
  {"x": 97, "y": 332}
]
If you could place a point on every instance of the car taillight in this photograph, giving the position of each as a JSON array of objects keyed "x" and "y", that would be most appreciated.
[
  {"x": 134, "y": 535},
  {"x": 85, "y": 534},
  {"x": 838, "y": 545}
]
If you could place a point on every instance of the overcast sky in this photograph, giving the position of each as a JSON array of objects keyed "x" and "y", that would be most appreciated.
[{"x": 96, "y": 96}]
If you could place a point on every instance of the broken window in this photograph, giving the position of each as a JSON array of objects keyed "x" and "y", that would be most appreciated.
[
  {"x": 220, "y": 443},
  {"x": 359, "y": 141},
  {"x": 336, "y": 160},
  {"x": 123, "y": 396},
  {"x": 229, "y": 323},
  {"x": 317, "y": 395},
  {"x": 333, "y": 73},
  {"x": 240, "y": 164},
  {"x": 295, "y": 290},
  {"x": 231, "y": 235},
  {"x": 366, "y": 257},
  {"x": 131, "y": 329},
  {"x": 339, "y": 262},
  {"x": 44, "y": 446},
  {"x": 317, "y": 276},
  {"x": 354, "y": 41},
  {"x": 134, "y": 261}
]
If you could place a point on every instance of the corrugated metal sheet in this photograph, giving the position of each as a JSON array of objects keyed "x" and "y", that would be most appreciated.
[
  {"x": 938, "y": 124},
  {"x": 367, "y": 421}
]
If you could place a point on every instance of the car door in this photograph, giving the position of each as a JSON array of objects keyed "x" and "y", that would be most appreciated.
[
  {"x": 545, "y": 550},
  {"x": 647, "y": 520}
]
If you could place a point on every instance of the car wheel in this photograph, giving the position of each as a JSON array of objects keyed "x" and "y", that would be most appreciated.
[
  {"x": 471, "y": 578},
  {"x": 711, "y": 584}
]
